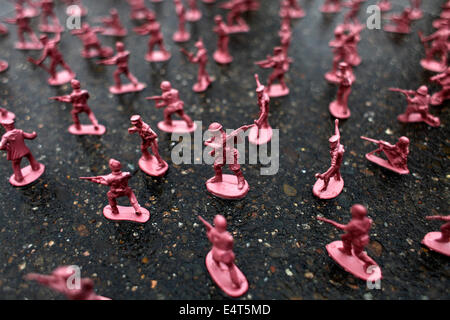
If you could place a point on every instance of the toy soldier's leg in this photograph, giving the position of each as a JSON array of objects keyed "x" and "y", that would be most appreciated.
[
  {"x": 155, "y": 151},
  {"x": 34, "y": 164},
  {"x": 132, "y": 78},
  {"x": 186, "y": 118},
  {"x": 21, "y": 36},
  {"x": 281, "y": 79},
  {"x": 272, "y": 77},
  {"x": 168, "y": 115},
  {"x": 144, "y": 150},
  {"x": 112, "y": 202},
  {"x": 362, "y": 255},
  {"x": 17, "y": 170},
  {"x": 218, "y": 170},
  {"x": 76, "y": 119},
  {"x": 92, "y": 117},
  {"x": 161, "y": 45},
  {"x": 347, "y": 244},
  {"x": 151, "y": 46},
  {"x": 345, "y": 94},
  {"x": 134, "y": 202},
  {"x": 233, "y": 274},
  {"x": 236, "y": 168},
  {"x": 52, "y": 69},
  {"x": 65, "y": 66},
  {"x": 445, "y": 230},
  {"x": 117, "y": 74}
]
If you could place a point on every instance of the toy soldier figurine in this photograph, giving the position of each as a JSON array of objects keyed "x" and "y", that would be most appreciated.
[
  {"x": 331, "y": 6},
  {"x": 330, "y": 184},
  {"x": 117, "y": 181},
  {"x": 439, "y": 241},
  {"x": 235, "y": 22},
  {"x": 79, "y": 11},
  {"x": 400, "y": 23},
  {"x": 92, "y": 47},
  {"x": 152, "y": 165},
  {"x": 193, "y": 14},
  {"x": 30, "y": 9},
  {"x": 78, "y": 98},
  {"x": 280, "y": 64},
  {"x": 445, "y": 15},
  {"x": 171, "y": 100},
  {"x": 181, "y": 35},
  {"x": 13, "y": 141},
  {"x": 396, "y": 155},
  {"x": 6, "y": 115},
  {"x": 149, "y": 22},
  {"x": 121, "y": 61},
  {"x": 285, "y": 35},
  {"x": 339, "y": 107},
  {"x": 226, "y": 186},
  {"x": 3, "y": 65},
  {"x": 47, "y": 10},
  {"x": 262, "y": 132},
  {"x": 439, "y": 47},
  {"x": 416, "y": 12},
  {"x": 156, "y": 38},
  {"x": 418, "y": 107},
  {"x": 138, "y": 9},
  {"x": 349, "y": 253},
  {"x": 62, "y": 280},
  {"x": 51, "y": 51},
  {"x": 384, "y": 5},
  {"x": 351, "y": 18},
  {"x": 220, "y": 259},
  {"x": 112, "y": 25},
  {"x": 294, "y": 9},
  {"x": 222, "y": 53},
  {"x": 444, "y": 80},
  {"x": 347, "y": 41},
  {"x": 201, "y": 58},
  {"x": 23, "y": 26}
]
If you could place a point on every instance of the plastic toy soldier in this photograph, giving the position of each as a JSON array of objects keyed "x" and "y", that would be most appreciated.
[
  {"x": 51, "y": 51},
  {"x": 331, "y": 6},
  {"x": 138, "y": 9},
  {"x": 439, "y": 241},
  {"x": 384, "y": 5},
  {"x": 149, "y": 22},
  {"x": 439, "y": 47},
  {"x": 396, "y": 155},
  {"x": 346, "y": 40},
  {"x": 23, "y": 26},
  {"x": 200, "y": 58},
  {"x": 418, "y": 107},
  {"x": 330, "y": 184},
  {"x": 6, "y": 115},
  {"x": 285, "y": 35},
  {"x": 171, "y": 100},
  {"x": 156, "y": 38},
  {"x": 78, "y": 98},
  {"x": 416, "y": 12},
  {"x": 339, "y": 107},
  {"x": 222, "y": 53},
  {"x": 30, "y": 8},
  {"x": 400, "y": 23},
  {"x": 295, "y": 11},
  {"x": 112, "y": 25},
  {"x": 121, "y": 61},
  {"x": 442, "y": 79},
  {"x": 351, "y": 17},
  {"x": 47, "y": 12},
  {"x": 181, "y": 35},
  {"x": 3, "y": 65},
  {"x": 280, "y": 64},
  {"x": 349, "y": 253},
  {"x": 60, "y": 280},
  {"x": 262, "y": 132},
  {"x": 152, "y": 165},
  {"x": 80, "y": 9},
  {"x": 117, "y": 181},
  {"x": 226, "y": 186},
  {"x": 220, "y": 259},
  {"x": 92, "y": 47},
  {"x": 235, "y": 22},
  {"x": 193, "y": 13},
  {"x": 13, "y": 141}
]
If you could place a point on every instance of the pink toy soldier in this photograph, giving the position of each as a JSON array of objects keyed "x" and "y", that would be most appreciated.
[
  {"x": 442, "y": 79},
  {"x": 439, "y": 47},
  {"x": 349, "y": 253},
  {"x": 396, "y": 155},
  {"x": 138, "y": 9},
  {"x": 3, "y": 29},
  {"x": 152, "y": 165},
  {"x": 331, "y": 6},
  {"x": 444, "y": 16},
  {"x": 294, "y": 9},
  {"x": 156, "y": 38},
  {"x": 439, "y": 241},
  {"x": 220, "y": 259},
  {"x": 416, "y": 12},
  {"x": 285, "y": 35},
  {"x": 3, "y": 65},
  {"x": 330, "y": 184},
  {"x": 23, "y": 26},
  {"x": 117, "y": 181},
  {"x": 112, "y": 25},
  {"x": 193, "y": 14},
  {"x": 75, "y": 8},
  {"x": 51, "y": 51},
  {"x": 30, "y": 9},
  {"x": 181, "y": 35},
  {"x": 78, "y": 98},
  {"x": 235, "y": 22},
  {"x": 262, "y": 132},
  {"x": 339, "y": 107},
  {"x": 200, "y": 58},
  {"x": 347, "y": 39},
  {"x": 47, "y": 8},
  {"x": 6, "y": 115},
  {"x": 171, "y": 100},
  {"x": 222, "y": 53},
  {"x": 121, "y": 61},
  {"x": 400, "y": 23},
  {"x": 418, "y": 107},
  {"x": 279, "y": 62},
  {"x": 92, "y": 47},
  {"x": 351, "y": 17},
  {"x": 13, "y": 141},
  {"x": 384, "y": 5},
  {"x": 285, "y": 15},
  {"x": 226, "y": 186}
]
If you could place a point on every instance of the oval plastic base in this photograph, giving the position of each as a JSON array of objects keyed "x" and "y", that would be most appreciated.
[
  {"x": 114, "y": 33},
  {"x": 333, "y": 190},
  {"x": 433, "y": 65},
  {"x": 265, "y": 135},
  {"x": 417, "y": 117},
  {"x": 193, "y": 15},
  {"x": 29, "y": 176},
  {"x": 296, "y": 13},
  {"x": 87, "y": 129},
  {"x": 331, "y": 8},
  {"x": 178, "y": 126},
  {"x": 430, "y": 241},
  {"x": 126, "y": 213},
  {"x": 385, "y": 164},
  {"x": 395, "y": 29},
  {"x": 227, "y": 188},
  {"x": 157, "y": 56},
  {"x": 94, "y": 53},
  {"x": 201, "y": 86},
  {"x": 277, "y": 90},
  {"x": 50, "y": 28},
  {"x": 339, "y": 111},
  {"x": 62, "y": 77},
  {"x": 152, "y": 168},
  {"x": 238, "y": 28},
  {"x": 181, "y": 36},
  {"x": 221, "y": 58},
  {"x": 127, "y": 88}
]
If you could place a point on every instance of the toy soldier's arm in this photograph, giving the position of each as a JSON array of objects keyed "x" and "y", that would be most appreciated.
[
  {"x": 42, "y": 58},
  {"x": 30, "y": 136},
  {"x": 333, "y": 223},
  {"x": 159, "y": 101},
  {"x": 438, "y": 77},
  {"x": 142, "y": 30},
  {"x": 442, "y": 218},
  {"x": 132, "y": 130},
  {"x": 10, "y": 20},
  {"x": 336, "y": 129},
  {"x": 188, "y": 54},
  {"x": 66, "y": 98},
  {"x": 109, "y": 61},
  {"x": 266, "y": 63},
  {"x": 430, "y": 37},
  {"x": 98, "y": 180},
  {"x": 237, "y": 131}
]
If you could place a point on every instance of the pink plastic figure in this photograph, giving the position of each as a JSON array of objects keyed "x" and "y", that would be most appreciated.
[
  {"x": 47, "y": 11},
  {"x": 92, "y": 47},
  {"x": 351, "y": 17},
  {"x": 222, "y": 53},
  {"x": 396, "y": 155},
  {"x": 23, "y": 26},
  {"x": 171, "y": 100},
  {"x": 416, "y": 12},
  {"x": 3, "y": 29},
  {"x": 51, "y": 50},
  {"x": 30, "y": 8},
  {"x": 384, "y": 5},
  {"x": 262, "y": 132},
  {"x": 6, "y": 115},
  {"x": 294, "y": 9},
  {"x": 3, "y": 65},
  {"x": 418, "y": 107},
  {"x": 285, "y": 15},
  {"x": 285, "y": 35},
  {"x": 444, "y": 16},
  {"x": 181, "y": 35},
  {"x": 13, "y": 141},
  {"x": 220, "y": 259},
  {"x": 149, "y": 23},
  {"x": 235, "y": 22},
  {"x": 442, "y": 79},
  {"x": 346, "y": 41},
  {"x": 117, "y": 181},
  {"x": 78, "y": 98},
  {"x": 400, "y": 23},
  {"x": 152, "y": 165},
  {"x": 200, "y": 58},
  {"x": 439, "y": 47},
  {"x": 226, "y": 186},
  {"x": 193, "y": 14},
  {"x": 280, "y": 64},
  {"x": 112, "y": 25},
  {"x": 156, "y": 38},
  {"x": 349, "y": 253},
  {"x": 121, "y": 61},
  {"x": 63, "y": 281},
  {"x": 79, "y": 11},
  {"x": 439, "y": 241},
  {"x": 138, "y": 9},
  {"x": 339, "y": 107},
  {"x": 331, "y": 6},
  {"x": 330, "y": 184}
]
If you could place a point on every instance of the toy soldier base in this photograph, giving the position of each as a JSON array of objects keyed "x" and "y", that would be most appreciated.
[
  {"x": 3, "y": 65},
  {"x": 222, "y": 58},
  {"x": 227, "y": 188},
  {"x": 417, "y": 117},
  {"x": 202, "y": 85},
  {"x": 385, "y": 164},
  {"x": 29, "y": 176},
  {"x": 158, "y": 56},
  {"x": 260, "y": 136},
  {"x": 193, "y": 14},
  {"x": 181, "y": 36},
  {"x": 332, "y": 191},
  {"x": 277, "y": 90},
  {"x": 62, "y": 77},
  {"x": 176, "y": 126},
  {"x": 152, "y": 167},
  {"x": 338, "y": 110},
  {"x": 433, "y": 65},
  {"x": 431, "y": 241},
  {"x": 127, "y": 214},
  {"x": 127, "y": 88},
  {"x": 87, "y": 129}
]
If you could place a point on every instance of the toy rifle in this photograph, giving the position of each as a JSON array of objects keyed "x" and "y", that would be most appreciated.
[
  {"x": 333, "y": 223},
  {"x": 60, "y": 98},
  {"x": 156, "y": 99},
  {"x": 405, "y": 92},
  {"x": 372, "y": 140},
  {"x": 265, "y": 63},
  {"x": 206, "y": 223},
  {"x": 97, "y": 179},
  {"x": 188, "y": 54},
  {"x": 441, "y": 218},
  {"x": 109, "y": 61}
]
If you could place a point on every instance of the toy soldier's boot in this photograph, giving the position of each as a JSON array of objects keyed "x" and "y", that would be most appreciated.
[
  {"x": 156, "y": 154},
  {"x": 93, "y": 120},
  {"x": 133, "y": 79},
  {"x": 233, "y": 275},
  {"x": 135, "y": 203},
  {"x": 168, "y": 117},
  {"x": 218, "y": 176},
  {"x": 17, "y": 170},
  {"x": 241, "y": 179},
  {"x": 113, "y": 204},
  {"x": 188, "y": 120},
  {"x": 76, "y": 120},
  {"x": 368, "y": 261},
  {"x": 445, "y": 230}
]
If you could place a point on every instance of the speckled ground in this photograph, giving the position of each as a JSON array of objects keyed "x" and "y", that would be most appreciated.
[{"x": 278, "y": 243}]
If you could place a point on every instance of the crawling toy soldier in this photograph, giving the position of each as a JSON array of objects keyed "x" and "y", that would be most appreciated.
[
  {"x": 439, "y": 47},
  {"x": 47, "y": 12},
  {"x": 156, "y": 39},
  {"x": 92, "y": 47},
  {"x": 181, "y": 35},
  {"x": 439, "y": 241},
  {"x": 6, "y": 115},
  {"x": 200, "y": 58},
  {"x": 112, "y": 25},
  {"x": 397, "y": 155},
  {"x": 339, "y": 107},
  {"x": 262, "y": 132},
  {"x": 444, "y": 80},
  {"x": 23, "y": 26},
  {"x": 222, "y": 53}
]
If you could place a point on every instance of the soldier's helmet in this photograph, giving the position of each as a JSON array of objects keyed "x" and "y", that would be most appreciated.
[
  {"x": 136, "y": 119},
  {"x": 220, "y": 222},
  {"x": 120, "y": 46},
  {"x": 403, "y": 141},
  {"x": 165, "y": 85},
  {"x": 214, "y": 127},
  {"x": 218, "y": 19},
  {"x": 75, "y": 84},
  {"x": 423, "y": 90},
  {"x": 8, "y": 124},
  {"x": 115, "y": 165},
  {"x": 358, "y": 211}
]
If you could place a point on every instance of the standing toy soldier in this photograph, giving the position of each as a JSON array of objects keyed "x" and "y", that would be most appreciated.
[
  {"x": 222, "y": 53},
  {"x": 295, "y": 11},
  {"x": 121, "y": 61},
  {"x": 200, "y": 58},
  {"x": 285, "y": 35},
  {"x": 280, "y": 64},
  {"x": 48, "y": 12},
  {"x": 193, "y": 14},
  {"x": 397, "y": 155},
  {"x": 181, "y": 35},
  {"x": 262, "y": 132},
  {"x": 384, "y": 5},
  {"x": 349, "y": 253},
  {"x": 6, "y": 115},
  {"x": 80, "y": 9},
  {"x": 439, "y": 241},
  {"x": 347, "y": 39},
  {"x": 23, "y": 26},
  {"x": 113, "y": 25},
  {"x": 78, "y": 98},
  {"x": 444, "y": 80},
  {"x": 220, "y": 259},
  {"x": 3, "y": 65},
  {"x": 13, "y": 141},
  {"x": 60, "y": 279},
  {"x": 92, "y": 47},
  {"x": 156, "y": 38},
  {"x": 138, "y": 9},
  {"x": 342, "y": 52},
  {"x": 400, "y": 23},
  {"x": 439, "y": 47},
  {"x": 226, "y": 186},
  {"x": 331, "y": 6},
  {"x": 117, "y": 181},
  {"x": 330, "y": 184},
  {"x": 171, "y": 100},
  {"x": 416, "y": 12},
  {"x": 51, "y": 51},
  {"x": 152, "y": 165},
  {"x": 30, "y": 9},
  {"x": 418, "y": 107},
  {"x": 339, "y": 107},
  {"x": 235, "y": 22}
]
